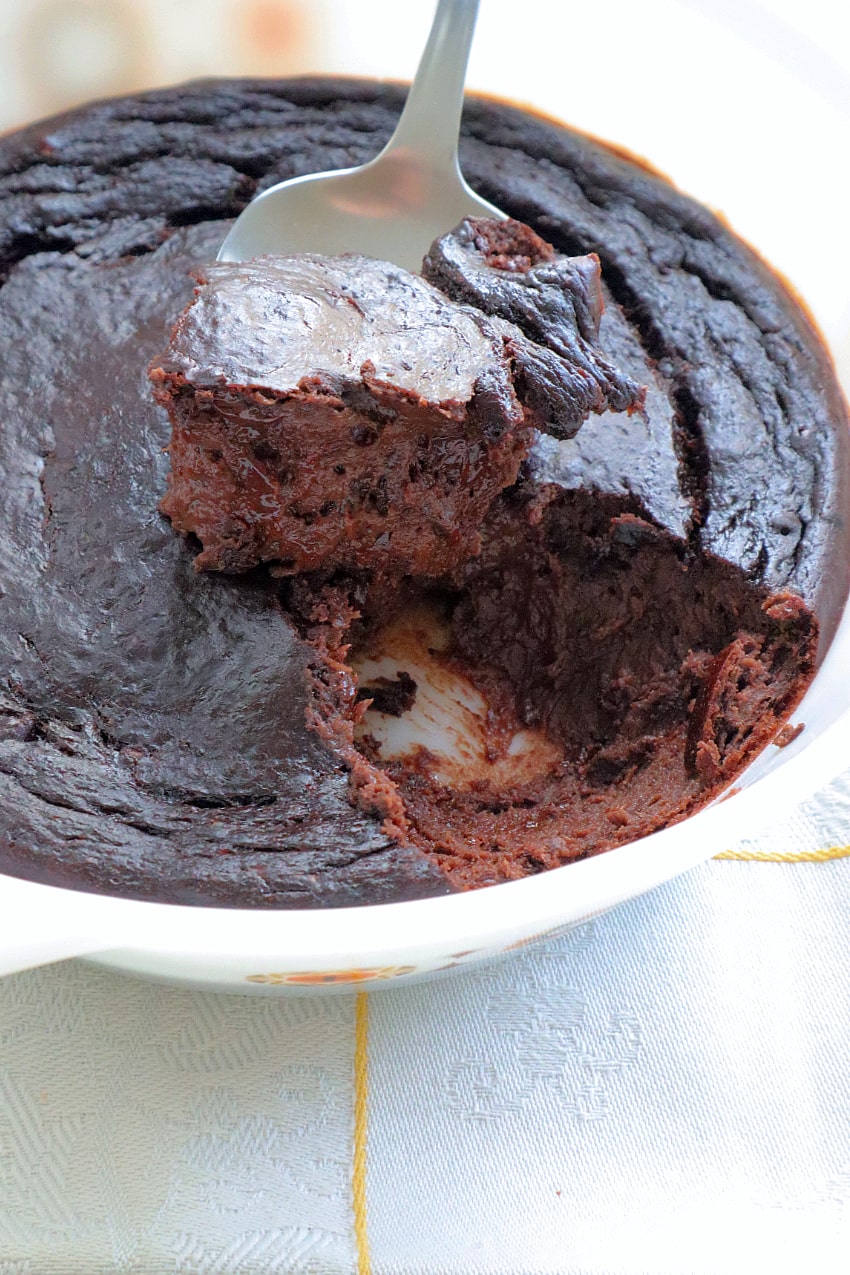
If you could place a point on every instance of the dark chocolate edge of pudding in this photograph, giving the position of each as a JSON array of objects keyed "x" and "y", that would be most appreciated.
[{"x": 69, "y": 206}]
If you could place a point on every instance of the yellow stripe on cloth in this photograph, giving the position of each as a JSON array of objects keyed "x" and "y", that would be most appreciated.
[
  {"x": 780, "y": 856},
  {"x": 361, "y": 1130}
]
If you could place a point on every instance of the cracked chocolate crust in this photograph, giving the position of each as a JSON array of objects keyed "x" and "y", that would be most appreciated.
[{"x": 153, "y": 737}]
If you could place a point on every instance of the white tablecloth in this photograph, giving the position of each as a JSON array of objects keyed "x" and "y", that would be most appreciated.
[{"x": 665, "y": 1091}]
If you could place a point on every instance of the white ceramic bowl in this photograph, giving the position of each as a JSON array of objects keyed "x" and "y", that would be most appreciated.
[{"x": 291, "y": 951}]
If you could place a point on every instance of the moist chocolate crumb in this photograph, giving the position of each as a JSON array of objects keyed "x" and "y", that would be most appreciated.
[
  {"x": 788, "y": 734},
  {"x": 390, "y": 696}
]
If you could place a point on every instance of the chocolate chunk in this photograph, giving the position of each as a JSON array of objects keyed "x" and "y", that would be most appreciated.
[
  {"x": 505, "y": 270},
  {"x": 392, "y": 696}
]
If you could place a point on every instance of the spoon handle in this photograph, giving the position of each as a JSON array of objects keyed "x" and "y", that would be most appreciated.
[{"x": 430, "y": 121}]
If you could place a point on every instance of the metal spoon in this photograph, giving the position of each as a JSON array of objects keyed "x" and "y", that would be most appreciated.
[{"x": 396, "y": 205}]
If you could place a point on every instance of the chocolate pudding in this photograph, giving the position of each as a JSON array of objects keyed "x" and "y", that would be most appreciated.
[{"x": 639, "y": 618}]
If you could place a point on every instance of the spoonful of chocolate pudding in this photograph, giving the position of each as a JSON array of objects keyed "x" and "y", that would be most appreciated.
[
  {"x": 395, "y": 206},
  {"x": 359, "y": 377}
]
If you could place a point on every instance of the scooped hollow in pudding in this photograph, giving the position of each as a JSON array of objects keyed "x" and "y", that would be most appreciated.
[
  {"x": 342, "y": 412},
  {"x": 581, "y": 683}
]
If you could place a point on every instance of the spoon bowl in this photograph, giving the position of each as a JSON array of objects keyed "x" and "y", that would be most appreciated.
[{"x": 394, "y": 207}]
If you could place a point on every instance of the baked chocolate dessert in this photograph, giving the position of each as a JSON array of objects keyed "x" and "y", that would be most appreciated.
[
  {"x": 344, "y": 413},
  {"x": 641, "y": 617}
]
